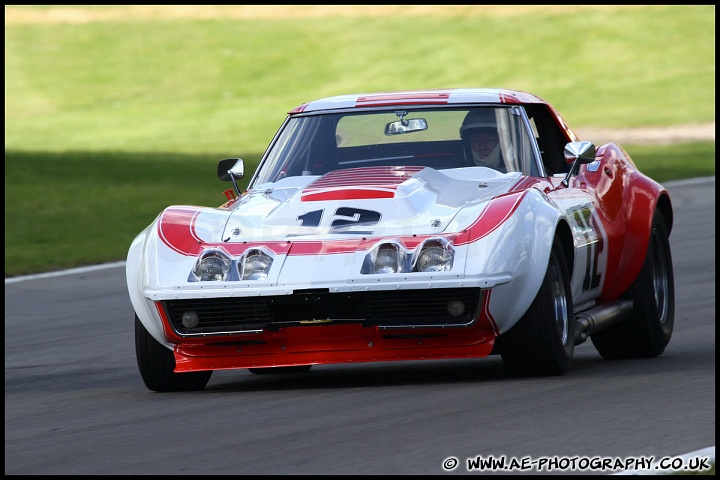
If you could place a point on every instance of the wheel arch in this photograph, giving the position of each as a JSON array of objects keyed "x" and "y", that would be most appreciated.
[
  {"x": 531, "y": 230},
  {"x": 665, "y": 207},
  {"x": 642, "y": 197},
  {"x": 135, "y": 274},
  {"x": 563, "y": 232}
]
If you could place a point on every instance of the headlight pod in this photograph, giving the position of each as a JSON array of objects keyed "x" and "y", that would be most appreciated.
[
  {"x": 212, "y": 266},
  {"x": 255, "y": 265},
  {"x": 434, "y": 255},
  {"x": 387, "y": 257},
  {"x": 217, "y": 266}
]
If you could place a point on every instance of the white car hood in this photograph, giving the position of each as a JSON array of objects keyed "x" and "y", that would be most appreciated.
[{"x": 382, "y": 201}]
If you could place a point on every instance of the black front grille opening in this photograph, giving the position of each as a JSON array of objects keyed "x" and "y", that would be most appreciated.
[{"x": 382, "y": 308}]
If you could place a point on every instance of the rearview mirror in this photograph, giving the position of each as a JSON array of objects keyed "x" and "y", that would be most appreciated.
[{"x": 406, "y": 126}]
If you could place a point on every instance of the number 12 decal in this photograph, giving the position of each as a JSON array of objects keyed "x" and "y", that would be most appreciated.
[
  {"x": 345, "y": 220},
  {"x": 594, "y": 246}
]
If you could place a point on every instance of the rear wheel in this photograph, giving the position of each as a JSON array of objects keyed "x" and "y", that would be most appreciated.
[
  {"x": 653, "y": 295},
  {"x": 157, "y": 364},
  {"x": 543, "y": 340},
  {"x": 289, "y": 369}
]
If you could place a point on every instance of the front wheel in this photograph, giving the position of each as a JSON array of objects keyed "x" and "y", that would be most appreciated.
[
  {"x": 653, "y": 295},
  {"x": 157, "y": 364},
  {"x": 543, "y": 341}
]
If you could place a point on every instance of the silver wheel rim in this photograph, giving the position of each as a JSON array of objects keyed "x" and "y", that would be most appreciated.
[
  {"x": 559, "y": 301},
  {"x": 659, "y": 277}
]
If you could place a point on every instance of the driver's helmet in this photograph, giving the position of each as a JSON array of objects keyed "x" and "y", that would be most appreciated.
[{"x": 481, "y": 140}]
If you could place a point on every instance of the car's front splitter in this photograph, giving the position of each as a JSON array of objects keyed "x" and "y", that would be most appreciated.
[{"x": 329, "y": 344}]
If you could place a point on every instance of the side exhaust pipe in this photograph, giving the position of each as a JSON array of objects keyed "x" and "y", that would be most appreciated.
[{"x": 601, "y": 317}]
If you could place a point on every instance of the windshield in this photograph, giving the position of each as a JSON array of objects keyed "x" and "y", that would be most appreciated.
[{"x": 444, "y": 138}]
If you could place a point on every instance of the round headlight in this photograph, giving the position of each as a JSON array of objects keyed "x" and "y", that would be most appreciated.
[
  {"x": 212, "y": 267},
  {"x": 435, "y": 257},
  {"x": 389, "y": 259},
  {"x": 256, "y": 265}
]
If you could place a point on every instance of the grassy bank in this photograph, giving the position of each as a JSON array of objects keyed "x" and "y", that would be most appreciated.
[
  {"x": 80, "y": 208},
  {"x": 112, "y": 113}
]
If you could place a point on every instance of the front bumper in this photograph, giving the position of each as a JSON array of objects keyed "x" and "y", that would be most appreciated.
[
  {"x": 329, "y": 344},
  {"x": 318, "y": 327}
]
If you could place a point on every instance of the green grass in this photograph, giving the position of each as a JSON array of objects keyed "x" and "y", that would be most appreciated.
[
  {"x": 674, "y": 162},
  {"x": 80, "y": 208},
  {"x": 108, "y": 122}
]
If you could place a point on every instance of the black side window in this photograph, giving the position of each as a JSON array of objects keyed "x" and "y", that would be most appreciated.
[{"x": 550, "y": 138}]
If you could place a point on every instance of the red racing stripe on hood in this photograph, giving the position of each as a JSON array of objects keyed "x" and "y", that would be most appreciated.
[
  {"x": 495, "y": 213},
  {"x": 176, "y": 229},
  {"x": 358, "y": 183}
]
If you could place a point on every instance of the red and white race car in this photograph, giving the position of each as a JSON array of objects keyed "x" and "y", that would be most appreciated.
[{"x": 411, "y": 225}]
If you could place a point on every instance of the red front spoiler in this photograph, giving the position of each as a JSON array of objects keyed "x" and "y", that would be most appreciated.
[{"x": 326, "y": 344}]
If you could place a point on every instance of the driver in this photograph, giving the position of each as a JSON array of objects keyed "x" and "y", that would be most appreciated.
[{"x": 480, "y": 135}]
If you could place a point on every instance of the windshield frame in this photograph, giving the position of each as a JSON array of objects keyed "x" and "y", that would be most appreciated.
[{"x": 325, "y": 122}]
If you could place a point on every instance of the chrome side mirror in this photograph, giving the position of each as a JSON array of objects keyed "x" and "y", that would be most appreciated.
[
  {"x": 231, "y": 169},
  {"x": 576, "y": 154}
]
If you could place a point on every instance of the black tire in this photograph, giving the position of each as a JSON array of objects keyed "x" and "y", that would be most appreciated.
[
  {"x": 653, "y": 295},
  {"x": 543, "y": 341},
  {"x": 157, "y": 364},
  {"x": 272, "y": 370}
]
